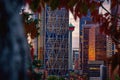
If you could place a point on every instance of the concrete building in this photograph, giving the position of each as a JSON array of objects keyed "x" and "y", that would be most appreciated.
[
  {"x": 110, "y": 46},
  {"x": 95, "y": 70},
  {"x": 94, "y": 45},
  {"x": 76, "y": 59},
  {"x": 70, "y": 55}
]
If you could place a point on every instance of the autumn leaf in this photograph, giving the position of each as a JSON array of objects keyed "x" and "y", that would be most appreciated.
[
  {"x": 34, "y": 5},
  {"x": 53, "y": 4},
  {"x": 106, "y": 14},
  {"x": 72, "y": 3},
  {"x": 113, "y": 3},
  {"x": 30, "y": 28},
  {"x": 28, "y": 1},
  {"x": 72, "y": 10}
]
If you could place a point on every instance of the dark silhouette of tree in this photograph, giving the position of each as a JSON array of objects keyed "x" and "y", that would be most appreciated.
[{"x": 14, "y": 49}]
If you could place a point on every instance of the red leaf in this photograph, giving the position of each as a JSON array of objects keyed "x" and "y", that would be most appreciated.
[
  {"x": 39, "y": 9},
  {"x": 104, "y": 28},
  {"x": 63, "y": 3},
  {"x": 75, "y": 16},
  {"x": 28, "y": 1},
  {"x": 95, "y": 12},
  {"x": 106, "y": 14},
  {"x": 43, "y": 4},
  {"x": 71, "y": 9},
  {"x": 77, "y": 7},
  {"x": 113, "y": 3},
  {"x": 79, "y": 15}
]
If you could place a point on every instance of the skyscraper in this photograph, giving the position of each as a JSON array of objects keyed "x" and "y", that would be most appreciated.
[
  {"x": 54, "y": 32},
  {"x": 93, "y": 45},
  {"x": 83, "y": 21}
]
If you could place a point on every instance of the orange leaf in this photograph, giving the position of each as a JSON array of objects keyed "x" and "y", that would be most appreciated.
[{"x": 113, "y": 3}]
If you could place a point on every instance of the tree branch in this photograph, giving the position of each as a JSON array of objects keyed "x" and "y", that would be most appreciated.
[{"x": 108, "y": 11}]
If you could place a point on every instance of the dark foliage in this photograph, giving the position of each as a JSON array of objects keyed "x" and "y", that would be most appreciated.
[{"x": 13, "y": 45}]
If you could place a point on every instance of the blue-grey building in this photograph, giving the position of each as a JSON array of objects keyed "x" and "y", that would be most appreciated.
[{"x": 55, "y": 32}]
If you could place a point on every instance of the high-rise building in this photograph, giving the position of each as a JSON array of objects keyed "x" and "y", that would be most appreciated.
[
  {"x": 110, "y": 46},
  {"x": 110, "y": 52},
  {"x": 54, "y": 38},
  {"x": 82, "y": 23},
  {"x": 93, "y": 45},
  {"x": 76, "y": 58}
]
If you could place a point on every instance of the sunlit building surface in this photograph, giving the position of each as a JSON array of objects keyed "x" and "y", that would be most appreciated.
[
  {"x": 94, "y": 45},
  {"x": 54, "y": 36},
  {"x": 91, "y": 42},
  {"x": 82, "y": 23}
]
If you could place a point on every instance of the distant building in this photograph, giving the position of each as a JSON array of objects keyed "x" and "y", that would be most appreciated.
[
  {"x": 76, "y": 58},
  {"x": 83, "y": 21},
  {"x": 110, "y": 46},
  {"x": 95, "y": 71},
  {"x": 94, "y": 45}
]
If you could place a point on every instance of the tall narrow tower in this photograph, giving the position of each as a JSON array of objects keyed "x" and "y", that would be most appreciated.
[{"x": 70, "y": 62}]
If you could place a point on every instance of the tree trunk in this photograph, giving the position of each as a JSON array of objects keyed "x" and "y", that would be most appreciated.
[{"x": 13, "y": 45}]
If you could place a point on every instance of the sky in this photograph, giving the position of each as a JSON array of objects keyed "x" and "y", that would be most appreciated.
[{"x": 75, "y": 34}]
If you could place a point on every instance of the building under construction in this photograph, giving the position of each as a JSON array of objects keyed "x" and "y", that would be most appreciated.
[{"x": 54, "y": 32}]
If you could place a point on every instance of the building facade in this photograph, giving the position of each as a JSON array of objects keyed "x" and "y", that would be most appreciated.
[
  {"x": 76, "y": 58},
  {"x": 54, "y": 40},
  {"x": 94, "y": 45},
  {"x": 81, "y": 55}
]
